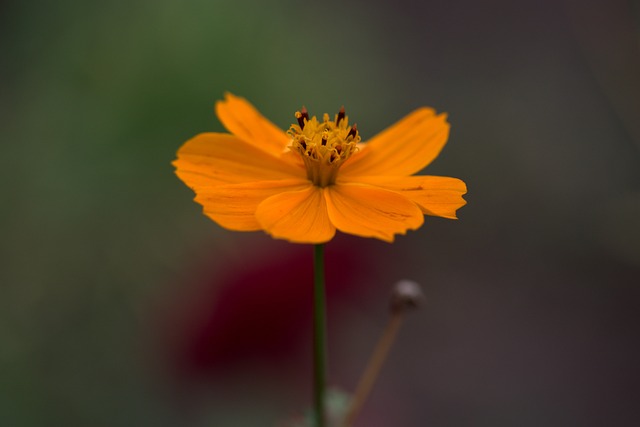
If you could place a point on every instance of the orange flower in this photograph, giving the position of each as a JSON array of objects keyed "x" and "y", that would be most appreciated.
[{"x": 303, "y": 184}]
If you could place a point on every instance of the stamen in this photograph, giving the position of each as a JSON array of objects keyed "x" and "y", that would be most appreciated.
[
  {"x": 302, "y": 115},
  {"x": 354, "y": 131},
  {"x": 323, "y": 145},
  {"x": 341, "y": 115}
]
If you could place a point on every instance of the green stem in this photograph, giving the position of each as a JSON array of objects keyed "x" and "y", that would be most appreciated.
[{"x": 319, "y": 337}]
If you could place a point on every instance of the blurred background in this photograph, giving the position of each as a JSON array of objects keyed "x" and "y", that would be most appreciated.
[{"x": 122, "y": 305}]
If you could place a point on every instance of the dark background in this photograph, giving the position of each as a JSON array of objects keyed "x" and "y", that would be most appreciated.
[{"x": 122, "y": 305}]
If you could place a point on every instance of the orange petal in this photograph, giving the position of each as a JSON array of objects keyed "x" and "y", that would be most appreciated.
[
  {"x": 234, "y": 206},
  {"x": 217, "y": 158},
  {"x": 371, "y": 212},
  {"x": 403, "y": 149},
  {"x": 244, "y": 121},
  {"x": 435, "y": 195},
  {"x": 297, "y": 216}
]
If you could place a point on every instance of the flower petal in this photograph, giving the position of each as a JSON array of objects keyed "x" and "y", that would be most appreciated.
[
  {"x": 244, "y": 121},
  {"x": 435, "y": 195},
  {"x": 297, "y": 216},
  {"x": 403, "y": 149},
  {"x": 371, "y": 212},
  {"x": 215, "y": 158},
  {"x": 234, "y": 206}
]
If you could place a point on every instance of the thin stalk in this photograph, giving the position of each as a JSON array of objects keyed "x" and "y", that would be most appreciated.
[
  {"x": 373, "y": 367},
  {"x": 319, "y": 337}
]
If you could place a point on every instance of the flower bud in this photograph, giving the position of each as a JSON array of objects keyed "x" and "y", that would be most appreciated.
[{"x": 406, "y": 294}]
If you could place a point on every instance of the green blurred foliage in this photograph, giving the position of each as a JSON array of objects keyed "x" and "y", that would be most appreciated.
[{"x": 97, "y": 97}]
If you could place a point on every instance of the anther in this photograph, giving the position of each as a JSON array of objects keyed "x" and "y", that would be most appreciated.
[
  {"x": 354, "y": 131},
  {"x": 325, "y": 135},
  {"x": 301, "y": 116},
  {"x": 341, "y": 115}
]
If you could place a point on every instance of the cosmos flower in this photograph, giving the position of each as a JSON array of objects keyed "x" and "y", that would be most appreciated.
[{"x": 318, "y": 177}]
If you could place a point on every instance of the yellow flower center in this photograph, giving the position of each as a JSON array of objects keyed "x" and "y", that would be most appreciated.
[{"x": 323, "y": 146}]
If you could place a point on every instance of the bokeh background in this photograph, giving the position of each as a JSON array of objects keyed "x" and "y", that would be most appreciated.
[{"x": 122, "y": 305}]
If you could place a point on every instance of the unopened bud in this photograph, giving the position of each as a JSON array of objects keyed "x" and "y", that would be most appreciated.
[{"x": 406, "y": 294}]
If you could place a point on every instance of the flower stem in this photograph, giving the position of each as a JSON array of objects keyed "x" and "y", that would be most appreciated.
[
  {"x": 319, "y": 337},
  {"x": 373, "y": 367}
]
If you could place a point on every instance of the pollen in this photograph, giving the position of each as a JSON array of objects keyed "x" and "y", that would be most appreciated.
[{"x": 323, "y": 145}]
